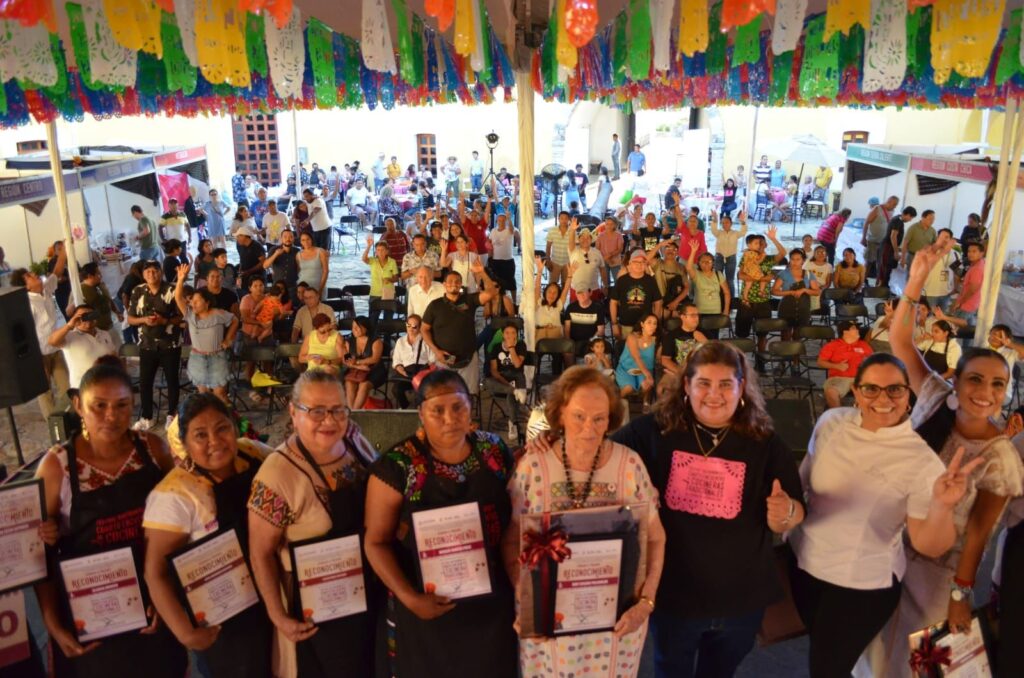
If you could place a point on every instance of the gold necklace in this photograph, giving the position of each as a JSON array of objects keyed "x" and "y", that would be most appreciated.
[{"x": 716, "y": 440}]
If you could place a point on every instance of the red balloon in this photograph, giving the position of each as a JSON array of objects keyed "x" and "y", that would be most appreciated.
[
  {"x": 432, "y": 7},
  {"x": 446, "y": 14},
  {"x": 580, "y": 21}
]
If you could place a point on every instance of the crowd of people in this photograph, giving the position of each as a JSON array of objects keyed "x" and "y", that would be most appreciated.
[{"x": 635, "y": 308}]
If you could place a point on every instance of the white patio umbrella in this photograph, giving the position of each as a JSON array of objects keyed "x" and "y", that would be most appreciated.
[{"x": 808, "y": 150}]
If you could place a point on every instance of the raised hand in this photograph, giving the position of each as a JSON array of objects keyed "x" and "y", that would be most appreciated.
[
  {"x": 369, "y": 241},
  {"x": 926, "y": 258},
  {"x": 772, "y": 232},
  {"x": 183, "y": 270},
  {"x": 950, "y": 487}
]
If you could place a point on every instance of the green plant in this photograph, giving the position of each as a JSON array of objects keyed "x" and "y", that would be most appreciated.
[
  {"x": 663, "y": 128},
  {"x": 40, "y": 267}
]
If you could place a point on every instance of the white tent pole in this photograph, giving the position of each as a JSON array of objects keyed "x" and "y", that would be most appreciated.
[
  {"x": 524, "y": 109},
  {"x": 65, "y": 218},
  {"x": 298, "y": 164},
  {"x": 1006, "y": 183},
  {"x": 751, "y": 186}
]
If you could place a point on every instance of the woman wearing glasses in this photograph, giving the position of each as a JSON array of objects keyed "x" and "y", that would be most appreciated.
[
  {"x": 445, "y": 464},
  {"x": 865, "y": 466},
  {"x": 313, "y": 486}
]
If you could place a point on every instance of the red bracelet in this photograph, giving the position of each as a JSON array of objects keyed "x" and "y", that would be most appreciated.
[{"x": 961, "y": 582}]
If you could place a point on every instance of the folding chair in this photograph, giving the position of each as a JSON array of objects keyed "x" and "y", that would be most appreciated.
[
  {"x": 790, "y": 373},
  {"x": 553, "y": 349},
  {"x": 715, "y": 322},
  {"x": 830, "y": 297},
  {"x": 673, "y": 323},
  {"x": 854, "y": 312}
]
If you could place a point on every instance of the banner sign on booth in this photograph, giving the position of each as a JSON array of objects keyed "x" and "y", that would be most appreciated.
[
  {"x": 33, "y": 188},
  {"x": 962, "y": 171},
  {"x": 180, "y": 157},
  {"x": 107, "y": 172},
  {"x": 877, "y": 156}
]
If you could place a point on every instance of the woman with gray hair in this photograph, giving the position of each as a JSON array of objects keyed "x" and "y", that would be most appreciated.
[{"x": 313, "y": 486}]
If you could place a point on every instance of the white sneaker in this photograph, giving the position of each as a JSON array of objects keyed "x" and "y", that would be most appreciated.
[
  {"x": 520, "y": 396},
  {"x": 142, "y": 425},
  {"x": 513, "y": 432},
  {"x": 167, "y": 424}
]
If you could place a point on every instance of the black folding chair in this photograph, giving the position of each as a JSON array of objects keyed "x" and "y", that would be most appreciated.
[
  {"x": 553, "y": 349},
  {"x": 789, "y": 371}
]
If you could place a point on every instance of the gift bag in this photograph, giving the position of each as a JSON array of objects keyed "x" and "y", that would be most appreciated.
[{"x": 937, "y": 653}]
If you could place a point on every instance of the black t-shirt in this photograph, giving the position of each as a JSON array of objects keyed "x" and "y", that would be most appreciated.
[
  {"x": 285, "y": 267},
  {"x": 583, "y": 322},
  {"x": 249, "y": 257},
  {"x": 224, "y": 299},
  {"x": 452, "y": 324},
  {"x": 171, "y": 264},
  {"x": 647, "y": 238},
  {"x": 504, "y": 364},
  {"x": 678, "y": 344},
  {"x": 145, "y": 303},
  {"x": 970, "y": 234},
  {"x": 896, "y": 224},
  {"x": 714, "y": 566},
  {"x": 636, "y": 297}
]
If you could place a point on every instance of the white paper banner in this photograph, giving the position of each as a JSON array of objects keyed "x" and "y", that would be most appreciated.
[
  {"x": 185, "y": 13},
  {"x": 109, "y": 62},
  {"x": 286, "y": 54},
  {"x": 661, "y": 30},
  {"x": 885, "y": 54},
  {"x": 789, "y": 24},
  {"x": 378, "y": 54},
  {"x": 25, "y": 53}
]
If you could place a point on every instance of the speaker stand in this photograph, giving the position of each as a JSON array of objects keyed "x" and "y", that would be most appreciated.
[{"x": 14, "y": 434}]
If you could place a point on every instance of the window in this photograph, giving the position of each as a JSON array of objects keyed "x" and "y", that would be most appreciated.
[
  {"x": 854, "y": 137},
  {"x": 426, "y": 152},
  {"x": 34, "y": 146},
  {"x": 256, "y": 151}
]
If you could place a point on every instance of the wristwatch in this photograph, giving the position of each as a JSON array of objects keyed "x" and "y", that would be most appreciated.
[{"x": 960, "y": 593}]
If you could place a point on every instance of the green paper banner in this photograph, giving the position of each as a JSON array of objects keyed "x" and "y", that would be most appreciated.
[
  {"x": 256, "y": 44},
  {"x": 152, "y": 79},
  {"x": 485, "y": 37},
  {"x": 418, "y": 51},
  {"x": 80, "y": 43},
  {"x": 919, "y": 51},
  {"x": 639, "y": 39},
  {"x": 321, "y": 61},
  {"x": 782, "y": 73},
  {"x": 620, "y": 51},
  {"x": 747, "y": 49},
  {"x": 851, "y": 52},
  {"x": 714, "y": 56},
  {"x": 819, "y": 75},
  {"x": 406, "y": 69},
  {"x": 1009, "y": 59},
  {"x": 353, "y": 88},
  {"x": 548, "y": 56},
  {"x": 181, "y": 75}
]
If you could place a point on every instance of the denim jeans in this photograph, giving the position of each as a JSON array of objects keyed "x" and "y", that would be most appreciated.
[
  {"x": 941, "y": 302},
  {"x": 701, "y": 648},
  {"x": 727, "y": 265},
  {"x": 476, "y": 182}
]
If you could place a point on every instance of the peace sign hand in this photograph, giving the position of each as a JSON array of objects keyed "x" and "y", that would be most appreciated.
[{"x": 950, "y": 487}]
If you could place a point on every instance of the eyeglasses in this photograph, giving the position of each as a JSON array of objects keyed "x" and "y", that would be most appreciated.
[
  {"x": 894, "y": 391},
  {"x": 318, "y": 414}
]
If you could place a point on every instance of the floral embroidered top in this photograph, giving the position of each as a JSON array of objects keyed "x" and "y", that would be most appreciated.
[
  {"x": 540, "y": 484},
  {"x": 405, "y": 467},
  {"x": 288, "y": 494}
]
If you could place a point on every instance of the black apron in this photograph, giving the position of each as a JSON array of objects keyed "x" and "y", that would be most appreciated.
[
  {"x": 1011, "y": 605},
  {"x": 157, "y": 655},
  {"x": 243, "y": 646},
  {"x": 475, "y": 638},
  {"x": 936, "y": 360},
  {"x": 345, "y": 646}
]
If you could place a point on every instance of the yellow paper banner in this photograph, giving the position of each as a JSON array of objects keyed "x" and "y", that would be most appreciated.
[
  {"x": 220, "y": 42},
  {"x": 964, "y": 34},
  {"x": 841, "y": 16},
  {"x": 693, "y": 26},
  {"x": 135, "y": 24},
  {"x": 465, "y": 36}
]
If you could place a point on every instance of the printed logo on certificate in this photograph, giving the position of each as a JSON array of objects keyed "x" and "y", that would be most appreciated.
[
  {"x": 22, "y": 551},
  {"x": 450, "y": 543},
  {"x": 215, "y": 578},
  {"x": 587, "y": 589},
  {"x": 329, "y": 576},
  {"x": 103, "y": 590}
]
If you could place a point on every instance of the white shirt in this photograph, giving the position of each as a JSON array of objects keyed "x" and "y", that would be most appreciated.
[
  {"x": 821, "y": 272},
  {"x": 418, "y": 300},
  {"x": 476, "y": 167},
  {"x": 275, "y": 224},
  {"x": 952, "y": 355},
  {"x": 861, "y": 487},
  {"x": 451, "y": 172},
  {"x": 404, "y": 353},
  {"x": 319, "y": 220},
  {"x": 45, "y": 314},
  {"x": 81, "y": 350},
  {"x": 464, "y": 266},
  {"x": 940, "y": 280},
  {"x": 356, "y": 197},
  {"x": 727, "y": 242},
  {"x": 587, "y": 275},
  {"x": 249, "y": 223},
  {"x": 502, "y": 241}
]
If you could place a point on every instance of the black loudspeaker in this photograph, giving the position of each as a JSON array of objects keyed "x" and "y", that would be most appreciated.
[
  {"x": 793, "y": 422},
  {"x": 22, "y": 377}
]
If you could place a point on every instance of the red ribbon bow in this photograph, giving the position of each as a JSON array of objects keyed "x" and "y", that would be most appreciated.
[
  {"x": 928, "y": 657},
  {"x": 549, "y": 544}
]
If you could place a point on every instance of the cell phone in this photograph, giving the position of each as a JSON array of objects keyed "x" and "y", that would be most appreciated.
[{"x": 91, "y": 315}]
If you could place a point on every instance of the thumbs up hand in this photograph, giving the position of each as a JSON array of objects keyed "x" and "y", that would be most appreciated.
[{"x": 781, "y": 509}]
